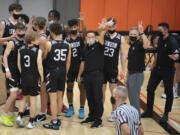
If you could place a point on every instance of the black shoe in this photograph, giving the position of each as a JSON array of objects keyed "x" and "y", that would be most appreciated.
[
  {"x": 146, "y": 114},
  {"x": 25, "y": 113},
  {"x": 87, "y": 120},
  {"x": 51, "y": 125},
  {"x": 59, "y": 122},
  {"x": 96, "y": 124},
  {"x": 164, "y": 119},
  {"x": 40, "y": 118}
]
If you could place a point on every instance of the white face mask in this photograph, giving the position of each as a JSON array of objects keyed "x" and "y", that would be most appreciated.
[
  {"x": 91, "y": 41},
  {"x": 51, "y": 22}
]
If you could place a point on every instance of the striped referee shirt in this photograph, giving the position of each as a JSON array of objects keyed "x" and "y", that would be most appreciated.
[{"x": 127, "y": 114}]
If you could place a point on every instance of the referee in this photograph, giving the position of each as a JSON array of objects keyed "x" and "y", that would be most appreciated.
[{"x": 126, "y": 116}]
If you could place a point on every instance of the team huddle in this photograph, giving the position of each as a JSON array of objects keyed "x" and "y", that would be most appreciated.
[{"x": 41, "y": 56}]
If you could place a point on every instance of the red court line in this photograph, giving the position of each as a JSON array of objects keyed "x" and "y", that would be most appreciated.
[
  {"x": 155, "y": 106},
  {"x": 148, "y": 131}
]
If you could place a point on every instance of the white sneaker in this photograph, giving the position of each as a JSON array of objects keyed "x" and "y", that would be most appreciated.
[
  {"x": 175, "y": 93},
  {"x": 163, "y": 96},
  {"x": 30, "y": 125},
  {"x": 19, "y": 122},
  {"x": 111, "y": 118}
]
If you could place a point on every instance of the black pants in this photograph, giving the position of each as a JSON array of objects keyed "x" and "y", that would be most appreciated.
[
  {"x": 93, "y": 85},
  {"x": 157, "y": 74}
]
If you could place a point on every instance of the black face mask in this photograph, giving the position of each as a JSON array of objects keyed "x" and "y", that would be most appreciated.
[
  {"x": 34, "y": 29},
  {"x": 20, "y": 35},
  {"x": 74, "y": 32},
  {"x": 111, "y": 31},
  {"x": 160, "y": 34},
  {"x": 16, "y": 16},
  {"x": 133, "y": 38},
  {"x": 113, "y": 101}
]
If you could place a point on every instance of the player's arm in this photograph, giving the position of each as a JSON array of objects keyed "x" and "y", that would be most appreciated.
[
  {"x": 68, "y": 62},
  {"x": 47, "y": 49},
  {"x": 9, "y": 48},
  {"x": 141, "y": 130},
  {"x": 42, "y": 44},
  {"x": 173, "y": 50},
  {"x": 3, "y": 40},
  {"x": 123, "y": 58},
  {"x": 81, "y": 70},
  {"x": 29, "y": 29},
  {"x": 19, "y": 62},
  {"x": 125, "y": 129},
  {"x": 144, "y": 38},
  {"x": 39, "y": 64},
  {"x": 101, "y": 31},
  {"x": 84, "y": 31}
]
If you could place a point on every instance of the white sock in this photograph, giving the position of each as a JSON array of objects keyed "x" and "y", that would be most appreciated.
[
  {"x": 27, "y": 108},
  {"x": 42, "y": 113}
]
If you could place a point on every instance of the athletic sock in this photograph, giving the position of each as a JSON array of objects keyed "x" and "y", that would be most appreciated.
[
  {"x": 54, "y": 121},
  {"x": 31, "y": 120},
  {"x": 82, "y": 107},
  {"x": 70, "y": 105},
  {"x": 58, "y": 117},
  {"x": 42, "y": 113},
  {"x": 27, "y": 108}
]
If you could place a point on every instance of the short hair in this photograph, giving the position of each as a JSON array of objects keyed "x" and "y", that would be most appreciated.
[
  {"x": 113, "y": 19},
  {"x": 56, "y": 14},
  {"x": 40, "y": 22},
  {"x": 91, "y": 31},
  {"x": 73, "y": 22},
  {"x": 164, "y": 25},
  {"x": 133, "y": 28},
  {"x": 31, "y": 36},
  {"x": 20, "y": 26},
  {"x": 15, "y": 6},
  {"x": 25, "y": 18},
  {"x": 122, "y": 91},
  {"x": 55, "y": 28}
]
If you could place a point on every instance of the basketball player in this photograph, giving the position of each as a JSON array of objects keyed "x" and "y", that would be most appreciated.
[
  {"x": 39, "y": 25},
  {"x": 58, "y": 58},
  {"x": 76, "y": 41},
  {"x": 114, "y": 45},
  {"x": 30, "y": 66},
  {"x": 12, "y": 73}
]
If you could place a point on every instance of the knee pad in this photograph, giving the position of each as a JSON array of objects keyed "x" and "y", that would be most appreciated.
[{"x": 70, "y": 90}]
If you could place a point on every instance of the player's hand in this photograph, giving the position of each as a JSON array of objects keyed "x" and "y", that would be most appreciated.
[
  {"x": 102, "y": 25},
  {"x": 32, "y": 18},
  {"x": 79, "y": 79},
  {"x": 140, "y": 27},
  {"x": 13, "y": 36},
  {"x": 122, "y": 75},
  {"x": 8, "y": 75},
  {"x": 110, "y": 23},
  {"x": 82, "y": 16}
]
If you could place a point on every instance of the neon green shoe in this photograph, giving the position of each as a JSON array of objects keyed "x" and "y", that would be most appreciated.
[
  {"x": 6, "y": 121},
  {"x": 12, "y": 117}
]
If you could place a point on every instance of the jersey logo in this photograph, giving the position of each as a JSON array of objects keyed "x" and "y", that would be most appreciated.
[
  {"x": 111, "y": 44},
  {"x": 165, "y": 45}
]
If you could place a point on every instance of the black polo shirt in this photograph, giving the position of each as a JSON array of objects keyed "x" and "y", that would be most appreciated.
[
  {"x": 136, "y": 57},
  {"x": 166, "y": 47},
  {"x": 93, "y": 57}
]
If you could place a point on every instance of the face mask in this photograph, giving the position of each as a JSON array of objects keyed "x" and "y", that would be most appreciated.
[
  {"x": 16, "y": 16},
  {"x": 51, "y": 22},
  {"x": 133, "y": 38},
  {"x": 111, "y": 31},
  {"x": 20, "y": 35},
  {"x": 34, "y": 29},
  {"x": 91, "y": 41},
  {"x": 113, "y": 101},
  {"x": 74, "y": 32},
  {"x": 160, "y": 34}
]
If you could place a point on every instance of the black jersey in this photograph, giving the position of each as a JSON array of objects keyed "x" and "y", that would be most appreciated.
[
  {"x": 56, "y": 58},
  {"x": 8, "y": 31},
  {"x": 28, "y": 58},
  {"x": 12, "y": 58},
  {"x": 77, "y": 46},
  {"x": 111, "y": 52}
]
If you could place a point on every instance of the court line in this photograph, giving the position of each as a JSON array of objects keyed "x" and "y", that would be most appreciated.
[
  {"x": 148, "y": 131},
  {"x": 155, "y": 106}
]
